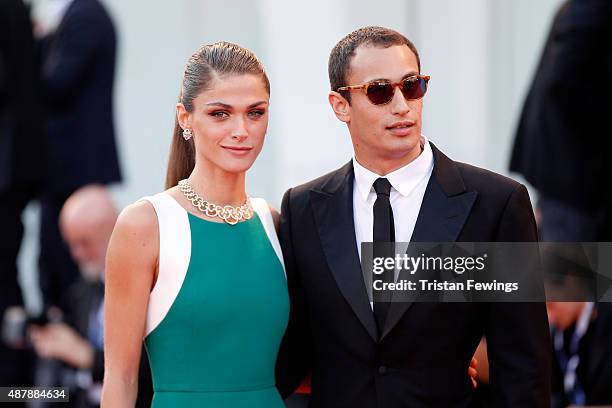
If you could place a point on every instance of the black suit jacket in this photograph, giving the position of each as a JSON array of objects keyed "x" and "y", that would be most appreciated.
[
  {"x": 21, "y": 148},
  {"x": 78, "y": 74},
  {"x": 422, "y": 358},
  {"x": 85, "y": 298},
  {"x": 563, "y": 141}
]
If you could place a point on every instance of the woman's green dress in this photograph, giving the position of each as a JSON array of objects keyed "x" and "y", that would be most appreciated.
[{"x": 218, "y": 311}]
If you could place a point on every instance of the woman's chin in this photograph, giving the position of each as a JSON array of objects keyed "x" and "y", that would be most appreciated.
[{"x": 237, "y": 166}]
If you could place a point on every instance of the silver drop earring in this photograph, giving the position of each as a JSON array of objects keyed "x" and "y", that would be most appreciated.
[{"x": 187, "y": 134}]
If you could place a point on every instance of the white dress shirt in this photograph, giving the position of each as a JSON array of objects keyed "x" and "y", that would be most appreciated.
[
  {"x": 49, "y": 15},
  {"x": 408, "y": 185}
]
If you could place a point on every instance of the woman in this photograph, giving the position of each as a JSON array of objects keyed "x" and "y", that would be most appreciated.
[{"x": 197, "y": 270}]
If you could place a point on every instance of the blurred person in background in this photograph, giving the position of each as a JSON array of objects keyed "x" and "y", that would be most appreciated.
[
  {"x": 581, "y": 328},
  {"x": 78, "y": 70},
  {"x": 582, "y": 343},
  {"x": 562, "y": 148},
  {"x": 21, "y": 164},
  {"x": 563, "y": 139},
  {"x": 86, "y": 220},
  {"x": 582, "y": 355}
]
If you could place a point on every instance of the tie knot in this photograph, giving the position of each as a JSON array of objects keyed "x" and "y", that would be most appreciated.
[{"x": 382, "y": 186}]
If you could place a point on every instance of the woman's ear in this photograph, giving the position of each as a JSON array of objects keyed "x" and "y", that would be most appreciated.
[
  {"x": 183, "y": 117},
  {"x": 340, "y": 106}
]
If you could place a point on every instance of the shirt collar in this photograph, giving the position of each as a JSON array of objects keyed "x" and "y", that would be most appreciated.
[
  {"x": 62, "y": 7},
  {"x": 403, "y": 180}
]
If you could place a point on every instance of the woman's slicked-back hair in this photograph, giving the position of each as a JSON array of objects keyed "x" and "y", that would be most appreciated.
[
  {"x": 207, "y": 63},
  {"x": 341, "y": 55}
]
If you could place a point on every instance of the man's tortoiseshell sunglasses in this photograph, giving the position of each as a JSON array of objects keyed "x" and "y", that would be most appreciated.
[{"x": 381, "y": 92}]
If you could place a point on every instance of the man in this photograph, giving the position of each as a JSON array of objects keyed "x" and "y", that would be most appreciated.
[
  {"x": 86, "y": 220},
  {"x": 21, "y": 164},
  {"x": 78, "y": 71},
  {"x": 581, "y": 330},
  {"x": 582, "y": 343},
  {"x": 399, "y": 187},
  {"x": 562, "y": 142}
]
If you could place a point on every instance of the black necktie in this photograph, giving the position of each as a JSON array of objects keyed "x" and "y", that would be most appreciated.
[{"x": 384, "y": 231}]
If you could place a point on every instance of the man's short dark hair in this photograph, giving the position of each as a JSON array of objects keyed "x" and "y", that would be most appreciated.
[{"x": 342, "y": 53}]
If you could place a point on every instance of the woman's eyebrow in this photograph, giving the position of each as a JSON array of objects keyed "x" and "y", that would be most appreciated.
[
  {"x": 226, "y": 106},
  {"x": 257, "y": 104},
  {"x": 221, "y": 104}
]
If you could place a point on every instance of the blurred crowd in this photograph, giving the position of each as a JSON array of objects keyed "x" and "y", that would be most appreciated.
[
  {"x": 57, "y": 146},
  {"x": 561, "y": 148}
]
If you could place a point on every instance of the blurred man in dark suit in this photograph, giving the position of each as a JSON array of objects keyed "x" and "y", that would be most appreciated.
[
  {"x": 78, "y": 73},
  {"x": 563, "y": 139},
  {"x": 21, "y": 163},
  {"x": 86, "y": 222},
  {"x": 582, "y": 342},
  {"x": 562, "y": 148}
]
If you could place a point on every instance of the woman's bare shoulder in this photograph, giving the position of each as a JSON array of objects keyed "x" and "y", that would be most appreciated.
[
  {"x": 134, "y": 245},
  {"x": 138, "y": 218}
]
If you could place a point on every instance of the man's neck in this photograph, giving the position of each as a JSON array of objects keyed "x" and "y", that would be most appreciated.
[{"x": 382, "y": 167}]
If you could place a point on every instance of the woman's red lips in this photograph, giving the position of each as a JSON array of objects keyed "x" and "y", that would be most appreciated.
[{"x": 238, "y": 148}]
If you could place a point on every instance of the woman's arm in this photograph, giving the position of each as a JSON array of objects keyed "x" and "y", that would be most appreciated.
[{"x": 131, "y": 263}]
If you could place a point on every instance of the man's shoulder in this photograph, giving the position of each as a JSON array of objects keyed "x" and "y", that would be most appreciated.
[
  {"x": 487, "y": 183},
  {"x": 322, "y": 183},
  {"x": 88, "y": 13},
  {"x": 481, "y": 177},
  {"x": 456, "y": 177}
]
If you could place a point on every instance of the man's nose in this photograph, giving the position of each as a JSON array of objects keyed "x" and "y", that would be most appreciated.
[{"x": 399, "y": 105}]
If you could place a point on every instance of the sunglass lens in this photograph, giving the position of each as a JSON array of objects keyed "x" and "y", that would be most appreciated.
[
  {"x": 380, "y": 93},
  {"x": 414, "y": 88}
]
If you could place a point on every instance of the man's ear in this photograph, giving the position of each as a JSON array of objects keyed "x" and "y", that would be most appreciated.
[
  {"x": 183, "y": 116},
  {"x": 340, "y": 106}
]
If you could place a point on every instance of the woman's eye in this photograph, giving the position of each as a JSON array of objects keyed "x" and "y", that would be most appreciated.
[
  {"x": 257, "y": 113},
  {"x": 219, "y": 114}
]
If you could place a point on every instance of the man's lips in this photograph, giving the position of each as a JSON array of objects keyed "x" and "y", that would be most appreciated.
[
  {"x": 401, "y": 128},
  {"x": 401, "y": 124}
]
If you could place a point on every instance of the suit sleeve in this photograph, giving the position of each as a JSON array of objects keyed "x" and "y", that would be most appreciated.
[
  {"x": 5, "y": 41},
  {"x": 70, "y": 55},
  {"x": 2, "y": 79},
  {"x": 97, "y": 370},
  {"x": 295, "y": 354},
  {"x": 517, "y": 333},
  {"x": 2, "y": 75}
]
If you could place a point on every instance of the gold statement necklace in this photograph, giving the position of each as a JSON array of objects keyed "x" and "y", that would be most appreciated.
[{"x": 230, "y": 214}]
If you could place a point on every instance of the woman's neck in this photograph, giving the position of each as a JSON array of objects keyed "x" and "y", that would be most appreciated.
[{"x": 218, "y": 186}]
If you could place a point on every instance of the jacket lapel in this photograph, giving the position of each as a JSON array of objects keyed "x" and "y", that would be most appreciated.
[
  {"x": 333, "y": 213},
  {"x": 445, "y": 208}
]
